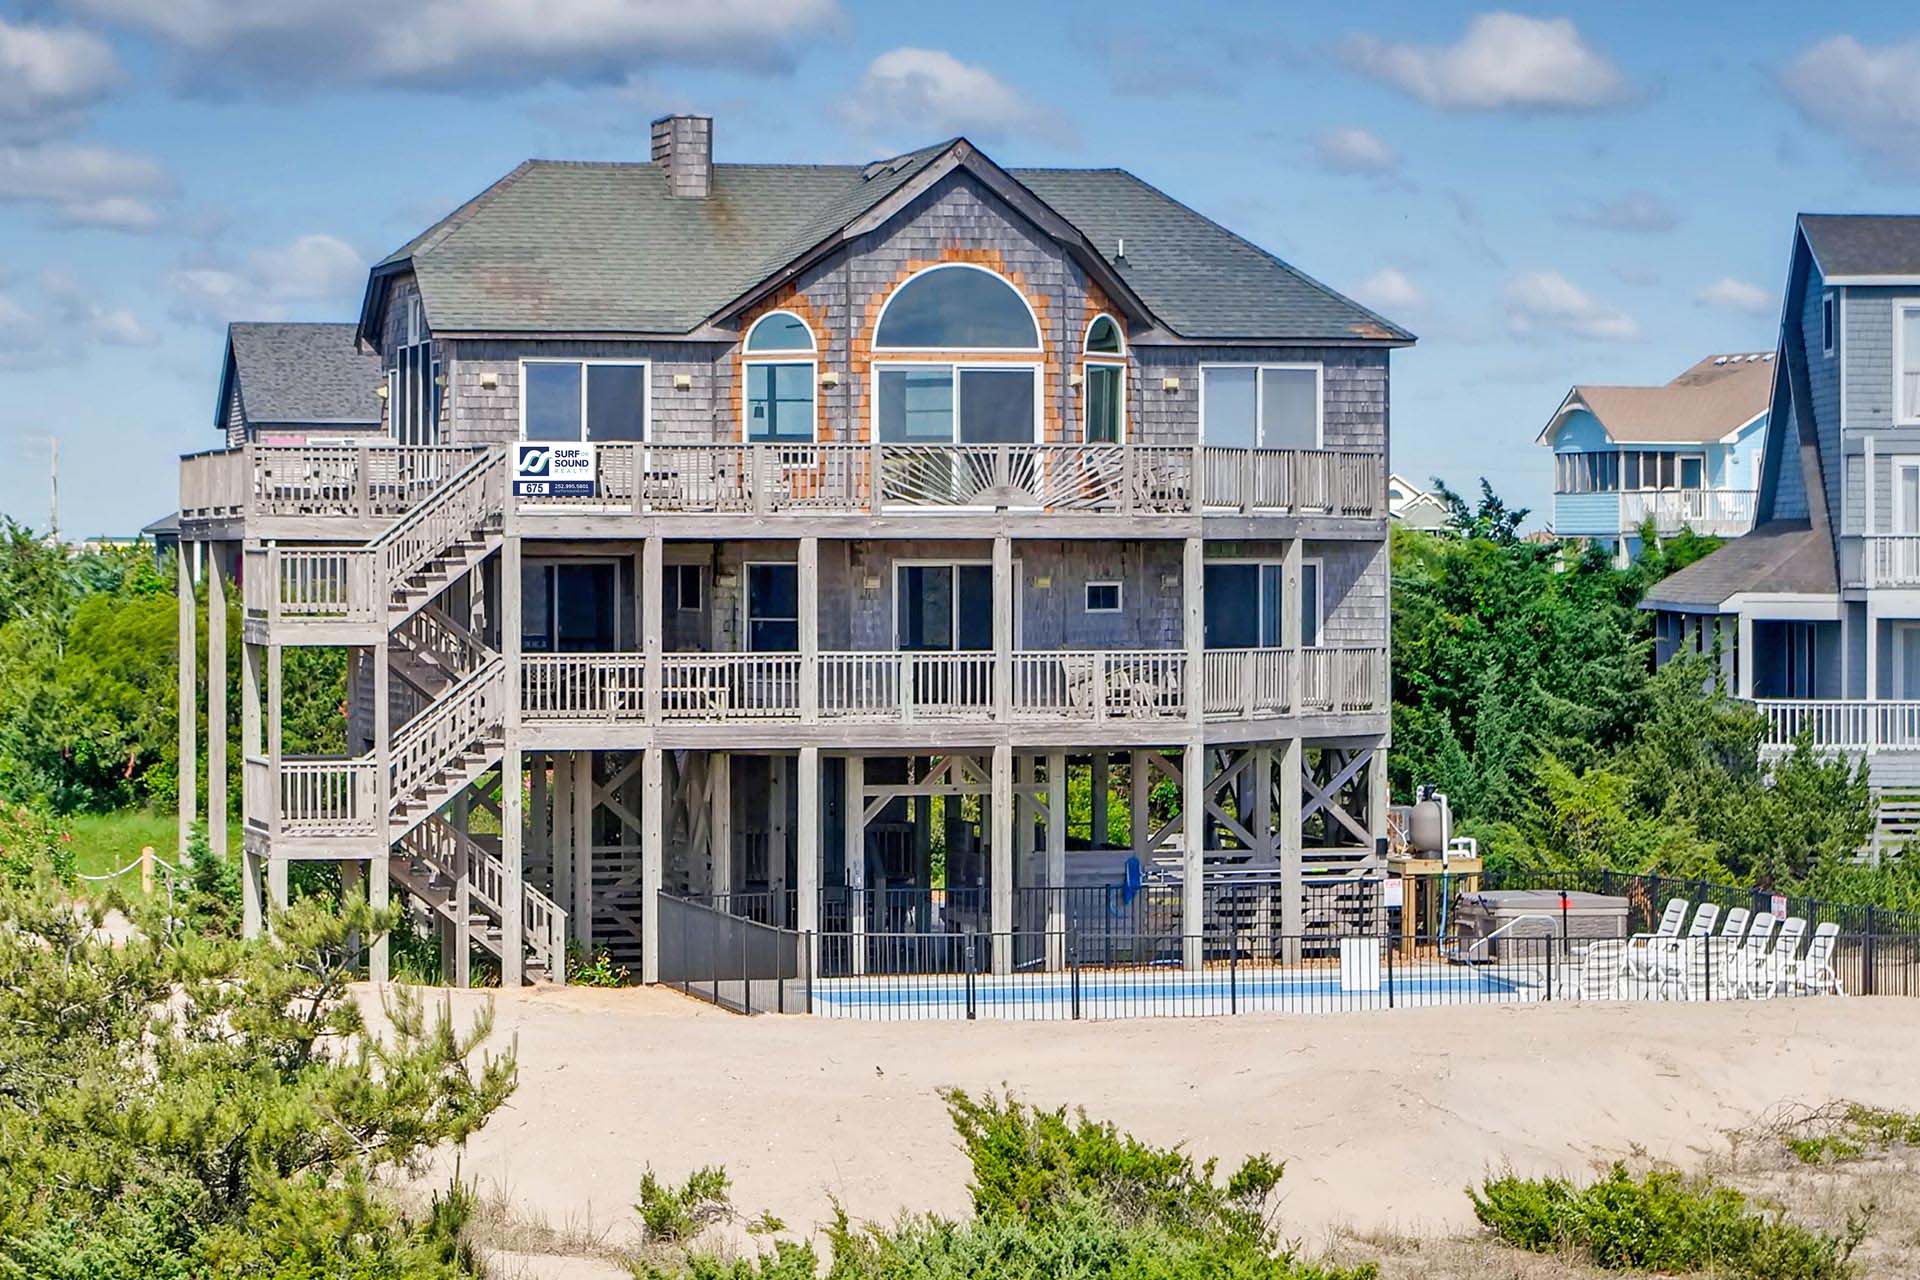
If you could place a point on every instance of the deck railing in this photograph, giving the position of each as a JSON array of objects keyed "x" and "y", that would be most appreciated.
[
  {"x": 1893, "y": 560},
  {"x": 1846, "y": 724},
  {"x": 1089, "y": 686},
  {"x": 328, "y": 797},
  {"x": 377, "y": 482},
  {"x": 1714, "y": 512}
]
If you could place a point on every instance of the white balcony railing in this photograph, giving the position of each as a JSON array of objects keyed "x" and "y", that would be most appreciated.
[
  {"x": 891, "y": 687},
  {"x": 1892, "y": 560},
  {"x": 379, "y": 482},
  {"x": 1842, "y": 724},
  {"x": 1720, "y": 513}
]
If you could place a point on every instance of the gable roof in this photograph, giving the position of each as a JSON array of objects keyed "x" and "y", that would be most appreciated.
[
  {"x": 601, "y": 248},
  {"x": 299, "y": 374},
  {"x": 1864, "y": 248},
  {"x": 1717, "y": 396}
]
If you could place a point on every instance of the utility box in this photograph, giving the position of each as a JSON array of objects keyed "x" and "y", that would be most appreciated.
[{"x": 1492, "y": 920}]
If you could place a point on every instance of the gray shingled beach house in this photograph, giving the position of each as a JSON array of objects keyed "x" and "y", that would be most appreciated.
[
  {"x": 855, "y": 549},
  {"x": 1816, "y": 614}
]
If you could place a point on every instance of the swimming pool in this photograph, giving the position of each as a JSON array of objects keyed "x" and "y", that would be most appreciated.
[{"x": 1095, "y": 993}]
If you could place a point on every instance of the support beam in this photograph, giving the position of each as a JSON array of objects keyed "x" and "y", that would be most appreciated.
[
  {"x": 582, "y": 811},
  {"x": 1140, "y": 791},
  {"x": 1098, "y": 786},
  {"x": 276, "y": 704},
  {"x": 1005, "y": 589},
  {"x": 252, "y": 912},
  {"x": 652, "y": 627},
  {"x": 1193, "y": 889},
  {"x": 652, "y": 860},
  {"x": 217, "y": 709},
  {"x": 513, "y": 857},
  {"x": 1000, "y": 851},
  {"x": 459, "y": 945},
  {"x": 378, "y": 953},
  {"x": 1193, "y": 626},
  {"x": 1056, "y": 859},
  {"x": 189, "y": 713},
  {"x": 1293, "y": 907},
  {"x": 855, "y": 857},
  {"x": 560, "y": 792},
  {"x": 807, "y": 875},
  {"x": 808, "y": 576},
  {"x": 720, "y": 822}
]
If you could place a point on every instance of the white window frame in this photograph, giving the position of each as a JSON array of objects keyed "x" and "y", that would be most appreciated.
[
  {"x": 1119, "y": 596},
  {"x": 893, "y": 599},
  {"x": 746, "y": 339},
  {"x": 1319, "y": 588},
  {"x": 746, "y": 605},
  {"x": 955, "y": 367},
  {"x": 1903, "y": 307},
  {"x": 1901, "y": 690},
  {"x": 1829, "y": 323},
  {"x": 810, "y": 357},
  {"x": 1039, "y": 333},
  {"x": 1904, "y": 521},
  {"x": 1260, "y": 396},
  {"x": 1090, "y": 360},
  {"x": 646, "y": 393}
]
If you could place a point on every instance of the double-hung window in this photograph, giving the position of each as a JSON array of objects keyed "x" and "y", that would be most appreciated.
[
  {"x": 1245, "y": 600},
  {"x": 1906, "y": 361},
  {"x": 1263, "y": 406},
  {"x": 583, "y": 400},
  {"x": 779, "y": 376}
]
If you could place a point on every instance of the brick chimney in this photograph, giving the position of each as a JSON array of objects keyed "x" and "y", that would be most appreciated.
[{"x": 683, "y": 148}]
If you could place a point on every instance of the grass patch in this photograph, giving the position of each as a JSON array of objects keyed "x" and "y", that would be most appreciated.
[
  {"x": 104, "y": 842},
  {"x": 1850, "y": 1131},
  {"x": 1664, "y": 1221}
]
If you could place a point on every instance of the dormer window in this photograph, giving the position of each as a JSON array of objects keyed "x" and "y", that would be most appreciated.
[
  {"x": 779, "y": 392},
  {"x": 1103, "y": 388}
]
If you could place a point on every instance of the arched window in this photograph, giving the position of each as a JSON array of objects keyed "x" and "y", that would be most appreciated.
[
  {"x": 779, "y": 331},
  {"x": 1104, "y": 337},
  {"x": 778, "y": 403},
  {"x": 957, "y": 307},
  {"x": 1103, "y": 383}
]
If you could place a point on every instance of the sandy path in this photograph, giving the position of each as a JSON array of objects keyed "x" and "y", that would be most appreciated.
[{"x": 1382, "y": 1117}]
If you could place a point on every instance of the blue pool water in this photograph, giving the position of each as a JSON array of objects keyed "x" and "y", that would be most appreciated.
[{"x": 1153, "y": 994}]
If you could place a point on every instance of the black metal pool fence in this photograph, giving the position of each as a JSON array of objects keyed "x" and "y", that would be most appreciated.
[
  {"x": 1647, "y": 896},
  {"x": 752, "y": 967}
]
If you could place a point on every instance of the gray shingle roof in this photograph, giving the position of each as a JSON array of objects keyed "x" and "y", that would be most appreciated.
[
  {"x": 562, "y": 246},
  {"x": 304, "y": 373},
  {"x": 1779, "y": 557},
  {"x": 1864, "y": 244}
]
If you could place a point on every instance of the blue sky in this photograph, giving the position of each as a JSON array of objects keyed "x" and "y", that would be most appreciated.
[{"x": 1544, "y": 195}]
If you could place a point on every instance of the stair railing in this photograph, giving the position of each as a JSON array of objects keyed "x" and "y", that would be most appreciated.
[
  {"x": 435, "y": 738},
  {"x": 475, "y": 494}
]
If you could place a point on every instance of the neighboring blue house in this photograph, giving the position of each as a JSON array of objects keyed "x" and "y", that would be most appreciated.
[
  {"x": 1815, "y": 615},
  {"x": 1686, "y": 455}
]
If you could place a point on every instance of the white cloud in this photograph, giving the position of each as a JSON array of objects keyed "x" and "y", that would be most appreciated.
[
  {"x": 1730, "y": 294},
  {"x": 270, "y": 283},
  {"x": 1633, "y": 211},
  {"x": 22, "y": 334},
  {"x": 472, "y": 46},
  {"x": 49, "y": 76},
  {"x": 1389, "y": 289},
  {"x": 1546, "y": 301},
  {"x": 1505, "y": 61},
  {"x": 87, "y": 185},
  {"x": 928, "y": 92},
  {"x": 1869, "y": 97},
  {"x": 80, "y": 315},
  {"x": 1351, "y": 149}
]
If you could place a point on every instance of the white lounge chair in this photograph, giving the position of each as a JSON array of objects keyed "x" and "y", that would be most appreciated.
[
  {"x": 1813, "y": 974},
  {"x": 1640, "y": 959},
  {"x": 1762, "y": 973},
  {"x": 1680, "y": 966},
  {"x": 1734, "y": 927}
]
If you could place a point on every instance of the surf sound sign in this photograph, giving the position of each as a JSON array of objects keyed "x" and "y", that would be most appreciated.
[{"x": 553, "y": 470}]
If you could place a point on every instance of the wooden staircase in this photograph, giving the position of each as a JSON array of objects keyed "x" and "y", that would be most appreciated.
[{"x": 432, "y": 860}]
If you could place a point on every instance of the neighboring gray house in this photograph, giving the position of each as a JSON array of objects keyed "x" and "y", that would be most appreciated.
[
  {"x": 1816, "y": 613},
  {"x": 292, "y": 383},
  {"x": 917, "y": 489}
]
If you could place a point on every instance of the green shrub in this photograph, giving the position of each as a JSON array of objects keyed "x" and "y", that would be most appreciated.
[
  {"x": 675, "y": 1215},
  {"x": 1857, "y": 1130},
  {"x": 601, "y": 971},
  {"x": 1664, "y": 1221},
  {"x": 33, "y": 843}
]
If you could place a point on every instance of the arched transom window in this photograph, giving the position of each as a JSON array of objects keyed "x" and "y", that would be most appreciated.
[
  {"x": 967, "y": 311},
  {"x": 779, "y": 379},
  {"x": 1103, "y": 386},
  {"x": 957, "y": 307}
]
